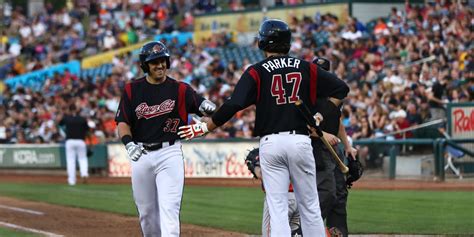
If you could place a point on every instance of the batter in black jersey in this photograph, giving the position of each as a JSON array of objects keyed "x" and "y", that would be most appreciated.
[
  {"x": 274, "y": 85},
  {"x": 150, "y": 111}
]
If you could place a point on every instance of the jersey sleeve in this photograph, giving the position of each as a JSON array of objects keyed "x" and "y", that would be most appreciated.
[
  {"x": 124, "y": 111},
  {"x": 193, "y": 101},
  {"x": 244, "y": 95},
  {"x": 329, "y": 85},
  {"x": 62, "y": 122}
]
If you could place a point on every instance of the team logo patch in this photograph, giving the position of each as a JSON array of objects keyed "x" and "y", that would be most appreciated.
[
  {"x": 148, "y": 112},
  {"x": 157, "y": 48}
]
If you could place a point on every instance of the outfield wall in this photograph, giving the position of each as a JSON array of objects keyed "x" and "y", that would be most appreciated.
[
  {"x": 209, "y": 159},
  {"x": 225, "y": 158}
]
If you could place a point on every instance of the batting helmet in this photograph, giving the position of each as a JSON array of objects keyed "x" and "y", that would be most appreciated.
[
  {"x": 151, "y": 51},
  {"x": 274, "y": 36},
  {"x": 323, "y": 63}
]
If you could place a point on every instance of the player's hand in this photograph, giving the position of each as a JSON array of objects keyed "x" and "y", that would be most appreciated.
[
  {"x": 351, "y": 152},
  {"x": 189, "y": 132},
  {"x": 333, "y": 140},
  {"x": 134, "y": 151},
  {"x": 207, "y": 107},
  {"x": 312, "y": 131}
]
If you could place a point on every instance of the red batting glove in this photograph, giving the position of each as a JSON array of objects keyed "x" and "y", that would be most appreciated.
[{"x": 189, "y": 132}]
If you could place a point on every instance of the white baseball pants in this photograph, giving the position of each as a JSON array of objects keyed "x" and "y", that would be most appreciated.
[
  {"x": 157, "y": 183},
  {"x": 284, "y": 157},
  {"x": 76, "y": 148}
]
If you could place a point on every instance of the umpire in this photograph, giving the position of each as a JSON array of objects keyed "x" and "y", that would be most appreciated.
[{"x": 331, "y": 182}]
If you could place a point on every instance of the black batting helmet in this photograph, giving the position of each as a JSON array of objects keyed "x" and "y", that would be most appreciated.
[
  {"x": 151, "y": 51},
  {"x": 323, "y": 63},
  {"x": 274, "y": 36}
]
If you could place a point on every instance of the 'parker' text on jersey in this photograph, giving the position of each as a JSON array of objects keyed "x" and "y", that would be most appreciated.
[{"x": 277, "y": 63}]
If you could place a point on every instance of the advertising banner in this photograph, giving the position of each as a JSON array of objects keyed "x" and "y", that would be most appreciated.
[
  {"x": 30, "y": 156},
  {"x": 35, "y": 79},
  {"x": 249, "y": 21},
  {"x": 461, "y": 121},
  {"x": 103, "y": 58},
  {"x": 181, "y": 37},
  {"x": 209, "y": 159},
  {"x": 217, "y": 159},
  {"x": 119, "y": 164}
]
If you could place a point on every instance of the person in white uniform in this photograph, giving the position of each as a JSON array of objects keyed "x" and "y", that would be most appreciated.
[{"x": 76, "y": 131}]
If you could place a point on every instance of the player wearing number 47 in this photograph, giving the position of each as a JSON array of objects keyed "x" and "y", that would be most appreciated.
[
  {"x": 150, "y": 111},
  {"x": 274, "y": 85}
]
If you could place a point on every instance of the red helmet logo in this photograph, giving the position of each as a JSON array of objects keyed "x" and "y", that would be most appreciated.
[{"x": 158, "y": 48}]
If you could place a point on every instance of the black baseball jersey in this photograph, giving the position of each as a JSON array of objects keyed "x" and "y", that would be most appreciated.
[
  {"x": 154, "y": 112},
  {"x": 330, "y": 124},
  {"x": 331, "y": 115},
  {"x": 76, "y": 126},
  {"x": 274, "y": 85}
]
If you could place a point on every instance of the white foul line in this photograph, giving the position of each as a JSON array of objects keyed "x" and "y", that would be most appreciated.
[
  {"x": 29, "y": 229},
  {"x": 22, "y": 210}
]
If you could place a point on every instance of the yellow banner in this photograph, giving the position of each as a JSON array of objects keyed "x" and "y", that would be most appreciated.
[
  {"x": 249, "y": 21},
  {"x": 99, "y": 59}
]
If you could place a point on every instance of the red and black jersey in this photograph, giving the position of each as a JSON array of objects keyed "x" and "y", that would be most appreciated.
[
  {"x": 154, "y": 112},
  {"x": 274, "y": 85}
]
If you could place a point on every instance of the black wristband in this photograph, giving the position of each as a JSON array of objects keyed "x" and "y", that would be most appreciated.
[{"x": 126, "y": 139}]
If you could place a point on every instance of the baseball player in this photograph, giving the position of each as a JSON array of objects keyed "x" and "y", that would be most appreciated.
[
  {"x": 253, "y": 163},
  {"x": 274, "y": 85},
  {"x": 76, "y": 130},
  {"x": 150, "y": 111},
  {"x": 331, "y": 181}
]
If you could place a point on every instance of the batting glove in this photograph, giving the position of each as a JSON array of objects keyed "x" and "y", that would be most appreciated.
[
  {"x": 207, "y": 107},
  {"x": 189, "y": 132},
  {"x": 134, "y": 151}
]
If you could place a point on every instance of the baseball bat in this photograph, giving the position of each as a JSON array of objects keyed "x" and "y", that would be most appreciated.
[{"x": 312, "y": 122}]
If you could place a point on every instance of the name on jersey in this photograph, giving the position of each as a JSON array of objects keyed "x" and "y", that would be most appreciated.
[
  {"x": 143, "y": 110},
  {"x": 277, "y": 63}
]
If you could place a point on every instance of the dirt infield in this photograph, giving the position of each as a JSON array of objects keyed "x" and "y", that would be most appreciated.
[{"x": 68, "y": 221}]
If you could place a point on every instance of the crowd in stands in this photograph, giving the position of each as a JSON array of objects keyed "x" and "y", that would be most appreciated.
[
  {"x": 402, "y": 69},
  {"x": 54, "y": 35}
]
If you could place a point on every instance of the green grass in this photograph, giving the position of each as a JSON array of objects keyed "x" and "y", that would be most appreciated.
[
  {"x": 7, "y": 232},
  {"x": 240, "y": 209},
  {"x": 411, "y": 212}
]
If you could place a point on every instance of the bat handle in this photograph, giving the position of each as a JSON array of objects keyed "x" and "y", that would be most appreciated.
[{"x": 344, "y": 169}]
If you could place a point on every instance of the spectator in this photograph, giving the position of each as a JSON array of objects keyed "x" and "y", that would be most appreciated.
[{"x": 374, "y": 64}]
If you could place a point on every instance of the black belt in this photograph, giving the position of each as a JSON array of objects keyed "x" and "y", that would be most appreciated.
[
  {"x": 157, "y": 146},
  {"x": 301, "y": 132}
]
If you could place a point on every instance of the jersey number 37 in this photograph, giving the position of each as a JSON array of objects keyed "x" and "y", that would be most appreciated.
[{"x": 278, "y": 90}]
